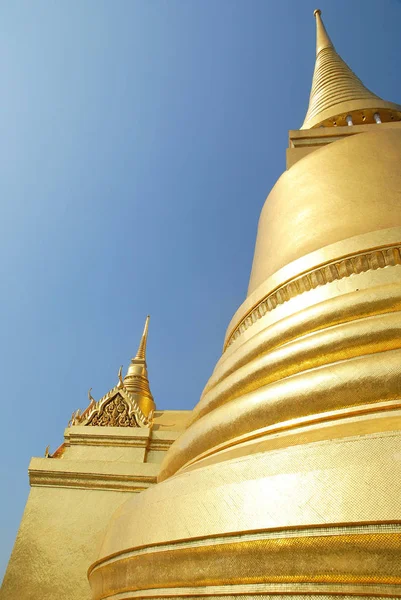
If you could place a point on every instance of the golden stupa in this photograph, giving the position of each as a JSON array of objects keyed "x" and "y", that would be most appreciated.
[{"x": 284, "y": 481}]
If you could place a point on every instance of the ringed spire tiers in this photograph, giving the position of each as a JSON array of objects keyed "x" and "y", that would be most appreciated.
[{"x": 338, "y": 96}]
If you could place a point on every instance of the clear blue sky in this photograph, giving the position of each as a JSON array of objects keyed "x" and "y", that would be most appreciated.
[{"x": 139, "y": 139}]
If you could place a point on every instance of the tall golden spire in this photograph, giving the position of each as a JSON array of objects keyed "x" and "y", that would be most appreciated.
[
  {"x": 338, "y": 96},
  {"x": 136, "y": 380}
]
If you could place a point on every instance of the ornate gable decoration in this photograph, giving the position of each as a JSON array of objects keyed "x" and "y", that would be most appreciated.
[
  {"x": 115, "y": 412},
  {"x": 118, "y": 408}
]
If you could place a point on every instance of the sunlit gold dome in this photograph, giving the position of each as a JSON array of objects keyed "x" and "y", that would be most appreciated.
[{"x": 341, "y": 190}]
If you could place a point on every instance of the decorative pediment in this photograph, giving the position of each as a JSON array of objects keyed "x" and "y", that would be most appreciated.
[
  {"x": 118, "y": 408},
  {"x": 115, "y": 412}
]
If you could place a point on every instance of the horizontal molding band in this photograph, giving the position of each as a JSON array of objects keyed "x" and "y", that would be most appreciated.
[
  {"x": 268, "y": 592},
  {"x": 299, "y": 424},
  {"x": 144, "y": 442},
  {"x": 272, "y": 534},
  {"x": 369, "y": 558},
  {"x": 349, "y": 340},
  {"x": 337, "y": 311},
  {"x": 115, "y": 442},
  {"x": 93, "y": 481},
  {"x": 162, "y": 445},
  {"x": 387, "y": 256},
  {"x": 311, "y": 393}
]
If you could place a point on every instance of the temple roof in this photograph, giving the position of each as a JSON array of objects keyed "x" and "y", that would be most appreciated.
[{"x": 130, "y": 403}]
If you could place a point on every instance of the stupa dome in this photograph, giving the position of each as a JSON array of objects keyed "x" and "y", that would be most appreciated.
[{"x": 341, "y": 190}]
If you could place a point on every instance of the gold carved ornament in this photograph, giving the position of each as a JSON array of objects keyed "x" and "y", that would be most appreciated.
[{"x": 114, "y": 413}]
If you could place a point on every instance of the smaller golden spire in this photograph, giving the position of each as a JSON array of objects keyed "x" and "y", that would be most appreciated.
[
  {"x": 136, "y": 380},
  {"x": 322, "y": 37}
]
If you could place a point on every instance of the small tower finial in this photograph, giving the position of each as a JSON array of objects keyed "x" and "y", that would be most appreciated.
[
  {"x": 120, "y": 383},
  {"x": 316, "y": 12},
  {"x": 141, "y": 353}
]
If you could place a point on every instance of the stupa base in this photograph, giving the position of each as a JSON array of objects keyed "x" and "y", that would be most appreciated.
[{"x": 322, "y": 518}]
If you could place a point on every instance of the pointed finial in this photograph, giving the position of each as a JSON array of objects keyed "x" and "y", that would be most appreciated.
[
  {"x": 322, "y": 37},
  {"x": 151, "y": 418},
  {"x": 141, "y": 354},
  {"x": 120, "y": 377},
  {"x": 90, "y": 397}
]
